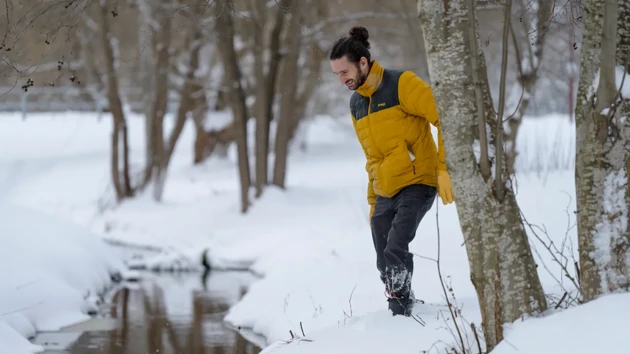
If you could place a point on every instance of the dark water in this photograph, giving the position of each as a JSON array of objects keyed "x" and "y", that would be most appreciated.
[{"x": 162, "y": 314}]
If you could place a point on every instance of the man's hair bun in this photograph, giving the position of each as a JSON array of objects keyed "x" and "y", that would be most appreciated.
[{"x": 360, "y": 34}]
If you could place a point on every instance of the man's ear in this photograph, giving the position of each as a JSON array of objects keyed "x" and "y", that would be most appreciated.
[{"x": 363, "y": 62}]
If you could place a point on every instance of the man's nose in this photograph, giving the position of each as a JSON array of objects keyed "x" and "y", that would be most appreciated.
[{"x": 342, "y": 79}]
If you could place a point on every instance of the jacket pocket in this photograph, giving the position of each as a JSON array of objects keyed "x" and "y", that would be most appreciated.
[{"x": 395, "y": 169}]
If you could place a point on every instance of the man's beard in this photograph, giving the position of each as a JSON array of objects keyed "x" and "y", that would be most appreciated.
[{"x": 359, "y": 80}]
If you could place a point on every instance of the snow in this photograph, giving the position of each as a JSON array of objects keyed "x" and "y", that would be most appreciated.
[
  {"x": 375, "y": 332},
  {"x": 559, "y": 333},
  {"x": 611, "y": 230},
  {"x": 53, "y": 274},
  {"x": 621, "y": 76},
  {"x": 555, "y": 333},
  {"x": 310, "y": 243}
]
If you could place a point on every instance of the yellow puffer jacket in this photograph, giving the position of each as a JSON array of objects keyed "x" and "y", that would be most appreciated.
[{"x": 391, "y": 113}]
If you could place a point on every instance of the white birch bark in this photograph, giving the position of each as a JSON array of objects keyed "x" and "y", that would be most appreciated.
[
  {"x": 503, "y": 270},
  {"x": 603, "y": 151}
]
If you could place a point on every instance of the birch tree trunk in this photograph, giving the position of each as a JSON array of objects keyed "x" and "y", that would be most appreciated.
[
  {"x": 602, "y": 154},
  {"x": 502, "y": 266}
]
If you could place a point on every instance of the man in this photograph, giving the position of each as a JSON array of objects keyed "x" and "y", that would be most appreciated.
[{"x": 391, "y": 111}]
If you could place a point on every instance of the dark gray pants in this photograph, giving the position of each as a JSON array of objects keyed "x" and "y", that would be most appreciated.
[{"x": 394, "y": 224}]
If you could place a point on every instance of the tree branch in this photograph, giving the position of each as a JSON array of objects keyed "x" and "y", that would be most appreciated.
[
  {"x": 484, "y": 159},
  {"x": 499, "y": 184}
]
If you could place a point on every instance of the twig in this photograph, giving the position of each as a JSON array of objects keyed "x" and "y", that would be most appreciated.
[
  {"x": 577, "y": 270},
  {"x": 302, "y": 328},
  {"x": 419, "y": 320},
  {"x": 423, "y": 257},
  {"x": 434, "y": 345},
  {"x": 350, "y": 299},
  {"x": 535, "y": 249},
  {"x": 448, "y": 327},
  {"x": 474, "y": 329},
  {"x": 551, "y": 251},
  {"x": 560, "y": 301},
  {"x": 345, "y": 316},
  {"x": 439, "y": 269},
  {"x": 566, "y": 234}
]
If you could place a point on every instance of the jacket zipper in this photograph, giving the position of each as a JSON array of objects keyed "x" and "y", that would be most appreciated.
[{"x": 370, "y": 126}]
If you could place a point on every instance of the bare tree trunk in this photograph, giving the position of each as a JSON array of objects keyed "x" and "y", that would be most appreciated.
[
  {"x": 123, "y": 188},
  {"x": 199, "y": 114},
  {"x": 502, "y": 266},
  {"x": 147, "y": 79},
  {"x": 287, "y": 89},
  {"x": 225, "y": 33},
  {"x": 266, "y": 94},
  {"x": 186, "y": 99},
  {"x": 125, "y": 148},
  {"x": 115, "y": 163},
  {"x": 315, "y": 56},
  {"x": 528, "y": 65},
  {"x": 159, "y": 18},
  {"x": 257, "y": 29},
  {"x": 602, "y": 154},
  {"x": 182, "y": 111},
  {"x": 295, "y": 98},
  {"x": 200, "y": 108}
]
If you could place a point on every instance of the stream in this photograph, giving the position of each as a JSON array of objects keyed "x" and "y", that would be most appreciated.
[{"x": 168, "y": 313}]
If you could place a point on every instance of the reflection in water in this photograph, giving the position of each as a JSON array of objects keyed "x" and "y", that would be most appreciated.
[{"x": 170, "y": 314}]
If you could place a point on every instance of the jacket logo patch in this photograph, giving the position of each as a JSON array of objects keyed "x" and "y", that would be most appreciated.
[{"x": 381, "y": 105}]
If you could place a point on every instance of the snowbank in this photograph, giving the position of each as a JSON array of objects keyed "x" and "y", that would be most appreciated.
[
  {"x": 600, "y": 326},
  {"x": 53, "y": 274},
  {"x": 375, "y": 333},
  {"x": 576, "y": 330}
]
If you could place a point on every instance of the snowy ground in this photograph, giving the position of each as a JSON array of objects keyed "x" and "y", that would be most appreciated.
[
  {"x": 53, "y": 275},
  {"x": 312, "y": 242}
]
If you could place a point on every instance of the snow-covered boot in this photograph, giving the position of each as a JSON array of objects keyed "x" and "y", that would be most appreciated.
[{"x": 401, "y": 305}]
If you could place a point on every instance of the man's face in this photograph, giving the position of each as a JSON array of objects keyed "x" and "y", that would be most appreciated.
[{"x": 350, "y": 74}]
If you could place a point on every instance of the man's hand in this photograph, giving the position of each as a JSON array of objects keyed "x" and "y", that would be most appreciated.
[
  {"x": 445, "y": 188},
  {"x": 371, "y": 213}
]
